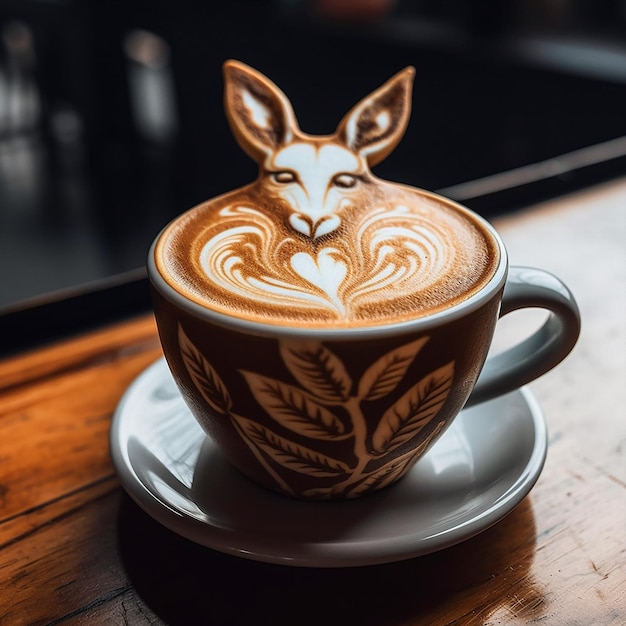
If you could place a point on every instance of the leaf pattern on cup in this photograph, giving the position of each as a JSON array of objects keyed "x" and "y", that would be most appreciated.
[
  {"x": 413, "y": 410},
  {"x": 204, "y": 376},
  {"x": 383, "y": 376},
  {"x": 294, "y": 409},
  {"x": 289, "y": 454},
  {"x": 317, "y": 369},
  {"x": 306, "y": 412},
  {"x": 394, "y": 470}
]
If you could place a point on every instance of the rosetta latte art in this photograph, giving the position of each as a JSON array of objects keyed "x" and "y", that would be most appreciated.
[{"x": 392, "y": 253}]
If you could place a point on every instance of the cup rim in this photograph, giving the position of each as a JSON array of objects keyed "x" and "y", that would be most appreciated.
[{"x": 418, "y": 324}]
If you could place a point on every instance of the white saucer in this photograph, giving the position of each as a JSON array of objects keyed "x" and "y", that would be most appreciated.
[{"x": 481, "y": 468}]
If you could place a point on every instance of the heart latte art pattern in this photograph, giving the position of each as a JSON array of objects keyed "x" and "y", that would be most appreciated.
[{"x": 392, "y": 253}]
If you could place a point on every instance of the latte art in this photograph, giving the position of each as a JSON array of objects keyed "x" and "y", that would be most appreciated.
[
  {"x": 393, "y": 253},
  {"x": 252, "y": 262},
  {"x": 387, "y": 265},
  {"x": 318, "y": 240}
]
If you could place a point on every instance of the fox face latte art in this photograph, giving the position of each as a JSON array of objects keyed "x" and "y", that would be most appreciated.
[{"x": 317, "y": 238}]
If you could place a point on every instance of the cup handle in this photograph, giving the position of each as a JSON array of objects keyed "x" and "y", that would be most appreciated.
[{"x": 530, "y": 288}]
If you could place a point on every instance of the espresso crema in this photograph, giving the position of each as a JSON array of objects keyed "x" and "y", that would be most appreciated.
[{"x": 401, "y": 255}]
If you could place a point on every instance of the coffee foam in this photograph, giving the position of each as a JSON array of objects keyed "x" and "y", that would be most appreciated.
[
  {"x": 406, "y": 254},
  {"x": 318, "y": 240}
]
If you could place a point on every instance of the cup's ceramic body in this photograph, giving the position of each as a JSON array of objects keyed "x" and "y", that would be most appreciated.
[
  {"x": 338, "y": 413},
  {"x": 324, "y": 411}
]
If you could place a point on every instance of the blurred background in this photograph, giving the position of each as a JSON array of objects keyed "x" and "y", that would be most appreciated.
[{"x": 111, "y": 120}]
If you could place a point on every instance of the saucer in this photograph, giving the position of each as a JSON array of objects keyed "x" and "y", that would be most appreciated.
[{"x": 480, "y": 469}]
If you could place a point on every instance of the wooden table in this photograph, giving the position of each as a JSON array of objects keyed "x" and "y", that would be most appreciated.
[{"x": 74, "y": 549}]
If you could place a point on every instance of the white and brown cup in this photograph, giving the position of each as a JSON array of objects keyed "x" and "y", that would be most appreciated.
[{"x": 325, "y": 327}]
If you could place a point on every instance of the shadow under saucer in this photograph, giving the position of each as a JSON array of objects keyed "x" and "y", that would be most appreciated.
[{"x": 184, "y": 583}]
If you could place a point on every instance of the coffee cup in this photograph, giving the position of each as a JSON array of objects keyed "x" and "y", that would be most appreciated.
[{"x": 324, "y": 326}]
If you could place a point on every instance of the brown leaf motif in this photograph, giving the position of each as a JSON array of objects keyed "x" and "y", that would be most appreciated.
[
  {"x": 204, "y": 376},
  {"x": 293, "y": 409},
  {"x": 414, "y": 410},
  {"x": 318, "y": 370},
  {"x": 289, "y": 454},
  {"x": 392, "y": 471},
  {"x": 383, "y": 476},
  {"x": 384, "y": 375},
  {"x": 305, "y": 411}
]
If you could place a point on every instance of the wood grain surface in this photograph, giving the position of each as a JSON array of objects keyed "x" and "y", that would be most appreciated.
[{"x": 74, "y": 549}]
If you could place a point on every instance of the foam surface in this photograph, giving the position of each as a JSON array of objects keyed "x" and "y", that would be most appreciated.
[{"x": 403, "y": 255}]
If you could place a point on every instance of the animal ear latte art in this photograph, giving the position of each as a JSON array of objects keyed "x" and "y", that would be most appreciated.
[
  {"x": 377, "y": 123},
  {"x": 259, "y": 113},
  {"x": 317, "y": 238},
  {"x": 262, "y": 119}
]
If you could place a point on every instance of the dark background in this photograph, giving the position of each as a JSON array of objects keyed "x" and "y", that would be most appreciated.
[{"x": 111, "y": 120}]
